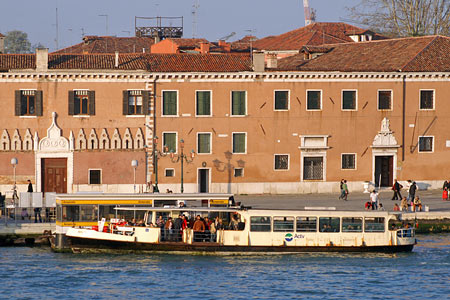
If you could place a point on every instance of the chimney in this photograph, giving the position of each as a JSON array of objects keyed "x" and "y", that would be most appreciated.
[
  {"x": 157, "y": 39},
  {"x": 258, "y": 61},
  {"x": 41, "y": 59},
  {"x": 272, "y": 61},
  {"x": 116, "y": 61},
  {"x": 225, "y": 46},
  {"x": 2, "y": 43},
  {"x": 204, "y": 47}
]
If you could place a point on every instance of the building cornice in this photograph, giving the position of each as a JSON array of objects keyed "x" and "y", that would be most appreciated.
[{"x": 291, "y": 76}]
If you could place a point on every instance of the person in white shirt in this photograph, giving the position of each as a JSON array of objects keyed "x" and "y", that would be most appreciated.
[{"x": 374, "y": 199}]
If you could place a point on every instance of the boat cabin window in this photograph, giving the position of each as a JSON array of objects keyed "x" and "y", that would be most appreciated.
[
  {"x": 306, "y": 224},
  {"x": 374, "y": 224},
  {"x": 329, "y": 224},
  {"x": 70, "y": 213},
  {"x": 352, "y": 224},
  {"x": 260, "y": 224},
  {"x": 283, "y": 224},
  {"x": 88, "y": 213},
  {"x": 107, "y": 211}
]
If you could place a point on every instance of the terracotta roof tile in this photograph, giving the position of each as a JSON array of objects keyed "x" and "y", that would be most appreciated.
[
  {"x": 146, "y": 62},
  {"x": 109, "y": 44},
  {"x": 416, "y": 54},
  {"x": 314, "y": 34},
  {"x": 17, "y": 61}
]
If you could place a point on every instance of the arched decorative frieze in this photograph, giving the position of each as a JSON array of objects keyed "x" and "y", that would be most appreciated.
[
  {"x": 5, "y": 141},
  {"x": 71, "y": 141},
  {"x": 127, "y": 142},
  {"x": 36, "y": 141},
  {"x": 27, "y": 141},
  {"x": 54, "y": 141},
  {"x": 139, "y": 139},
  {"x": 116, "y": 142},
  {"x": 16, "y": 141},
  {"x": 92, "y": 140},
  {"x": 81, "y": 142},
  {"x": 104, "y": 139}
]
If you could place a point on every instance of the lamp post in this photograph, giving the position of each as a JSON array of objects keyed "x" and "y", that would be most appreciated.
[
  {"x": 182, "y": 157},
  {"x": 134, "y": 164},
  {"x": 14, "y": 163},
  {"x": 156, "y": 155}
]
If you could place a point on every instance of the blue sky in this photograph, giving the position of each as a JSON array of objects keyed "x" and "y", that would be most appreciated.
[{"x": 215, "y": 18}]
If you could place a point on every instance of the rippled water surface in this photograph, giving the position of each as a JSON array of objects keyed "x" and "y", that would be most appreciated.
[{"x": 37, "y": 273}]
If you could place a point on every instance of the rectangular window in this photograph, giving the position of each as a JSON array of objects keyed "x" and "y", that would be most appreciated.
[
  {"x": 306, "y": 224},
  {"x": 348, "y": 161},
  {"x": 281, "y": 161},
  {"x": 238, "y": 103},
  {"x": 135, "y": 102},
  {"x": 426, "y": 143},
  {"x": 426, "y": 99},
  {"x": 203, "y": 103},
  {"x": 384, "y": 100},
  {"x": 329, "y": 224},
  {"x": 169, "y": 172},
  {"x": 81, "y": 103},
  {"x": 283, "y": 224},
  {"x": 239, "y": 143},
  {"x": 313, "y": 100},
  {"x": 95, "y": 176},
  {"x": 348, "y": 100},
  {"x": 169, "y": 105},
  {"x": 260, "y": 224},
  {"x": 281, "y": 100},
  {"x": 374, "y": 224},
  {"x": 351, "y": 224},
  {"x": 170, "y": 141},
  {"x": 238, "y": 172},
  {"x": 27, "y": 103},
  {"x": 313, "y": 168},
  {"x": 204, "y": 143}
]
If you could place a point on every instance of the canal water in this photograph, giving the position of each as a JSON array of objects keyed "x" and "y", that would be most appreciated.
[{"x": 37, "y": 273}]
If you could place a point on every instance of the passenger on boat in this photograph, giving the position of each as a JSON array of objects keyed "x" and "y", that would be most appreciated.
[
  {"x": 404, "y": 204},
  {"x": 234, "y": 223},
  {"x": 184, "y": 223},
  {"x": 199, "y": 229},
  {"x": 132, "y": 222},
  {"x": 374, "y": 199},
  {"x": 177, "y": 228},
  {"x": 208, "y": 223},
  {"x": 168, "y": 228},
  {"x": 141, "y": 223},
  {"x": 417, "y": 204},
  {"x": 219, "y": 224},
  {"x": 160, "y": 222},
  {"x": 396, "y": 207},
  {"x": 380, "y": 206},
  {"x": 368, "y": 205},
  {"x": 212, "y": 230}
]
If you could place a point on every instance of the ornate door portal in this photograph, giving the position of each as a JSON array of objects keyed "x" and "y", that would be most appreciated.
[{"x": 54, "y": 175}]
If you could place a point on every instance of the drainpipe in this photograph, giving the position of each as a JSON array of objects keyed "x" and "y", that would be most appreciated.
[
  {"x": 403, "y": 116},
  {"x": 155, "y": 158}
]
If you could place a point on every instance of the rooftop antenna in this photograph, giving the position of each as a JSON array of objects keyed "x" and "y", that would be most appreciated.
[
  {"x": 308, "y": 13},
  {"x": 194, "y": 18},
  {"x": 82, "y": 32},
  {"x": 106, "y": 17},
  {"x": 57, "y": 29}
]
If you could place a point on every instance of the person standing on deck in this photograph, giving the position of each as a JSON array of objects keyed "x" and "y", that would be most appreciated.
[{"x": 396, "y": 188}]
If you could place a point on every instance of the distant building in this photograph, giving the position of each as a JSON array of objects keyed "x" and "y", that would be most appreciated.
[
  {"x": 368, "y": 111},
  {"x": 110, "y": 44}
]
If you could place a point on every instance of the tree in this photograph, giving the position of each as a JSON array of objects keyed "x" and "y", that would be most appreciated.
[
  {"x": 404, "y": 17},
  {"x": 16, "y": 41}
]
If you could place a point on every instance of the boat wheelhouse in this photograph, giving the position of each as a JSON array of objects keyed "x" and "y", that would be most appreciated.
[{"x": 240, "y": 230}]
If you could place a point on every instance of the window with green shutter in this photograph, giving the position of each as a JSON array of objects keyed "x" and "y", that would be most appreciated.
[
  {"x": 313, "y": 100},
  {"x": 239, "y": 143},
  {"x": 204, "y": 143},
  {"x": 170, "y": 141},
  {"x": 238, "y": 103},
  {"x": 348, "y": 100},
  {"x": 169, "y": 103},
  {"x": 281, "y": 100},
  {"x": 203, "y": 103}
]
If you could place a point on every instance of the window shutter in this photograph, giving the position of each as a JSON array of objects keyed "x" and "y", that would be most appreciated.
[
  {"x": 17, "y": 103},
  {"x": 39, "y": 104},
  {"x": 145, "y": 102},
  {"x": 71, "y": 103},
  {"x": 91, "y": 95},
  {"x": 125, "y": 102}
]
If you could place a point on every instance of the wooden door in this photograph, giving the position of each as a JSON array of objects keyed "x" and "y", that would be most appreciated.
[
  {"x": 384, "y": 170},
  {"x": 54, "y": 175}
]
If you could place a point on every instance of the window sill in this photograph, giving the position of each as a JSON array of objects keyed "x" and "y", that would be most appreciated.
[
  {"x": 278, "y": 170},
  {"x": 287, "y": 109},
  {"x": 135, "y": 116},
  {"x": 28, "y": 117},
  {"x": 426, "y": 109},
  {"x": 319, "y": 109},
  {"x": 238, "y": 116},
  {"x": 198, "y": 153},
  {"x": 170, "y": 116},
  {"x": 203, "y": 116},
  {"x": 81, "y": 116}
]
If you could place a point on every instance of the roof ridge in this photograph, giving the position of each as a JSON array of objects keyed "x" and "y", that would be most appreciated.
[{"x": 418, "y": 53}]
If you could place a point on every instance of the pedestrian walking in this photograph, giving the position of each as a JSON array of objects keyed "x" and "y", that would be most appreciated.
[
  {"x": 412, "y": 191},
  {"x": 345, "y": 190},
  {"x": 445, "y": 189},
  {"x": 341, "y": 189},
  {"x": 396, "y": 188}
]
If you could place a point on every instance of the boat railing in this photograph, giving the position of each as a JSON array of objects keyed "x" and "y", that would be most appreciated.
[{"x": 405, "y": 232}]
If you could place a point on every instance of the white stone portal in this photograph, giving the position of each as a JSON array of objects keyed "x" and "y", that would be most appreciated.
[
  {"x": 54, "y": 141},
  {"x": 385, "y": 137}
]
